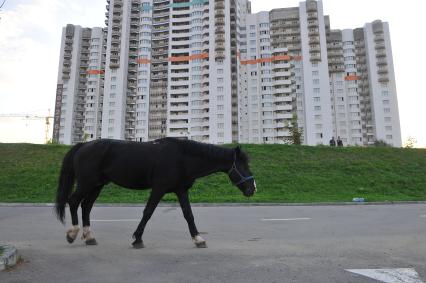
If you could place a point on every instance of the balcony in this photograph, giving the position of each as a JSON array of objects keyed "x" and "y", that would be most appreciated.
[
  {"x": 219, "y": 14},
  {"x": 382, "y": 71},
  {"x": 382, "y": 62},
  {"x": 314, "y": 49},
  {"x": 219, "y": 48},
  {"x": 312, "y": 24},
  {"x": 315, "y": 57},
  {"x": 379, "y": 38},
  {"x": 280, "y": 116},
  {"x": 313, "y": 32},
  {"x": 380, "y": 54},
  {"x": 114, "y": 65},
  {"x": 383, "y": 79},
  {"x": 314, "y": 40},
  {"x": 380, "y": 46},
  {"x": 312, "y": 16}
]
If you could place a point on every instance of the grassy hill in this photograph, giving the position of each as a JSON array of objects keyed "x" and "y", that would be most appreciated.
[{"x": 29, "y": 173}]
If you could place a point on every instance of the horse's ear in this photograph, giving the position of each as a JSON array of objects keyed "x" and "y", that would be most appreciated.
[{"x": 238, "y": 150}]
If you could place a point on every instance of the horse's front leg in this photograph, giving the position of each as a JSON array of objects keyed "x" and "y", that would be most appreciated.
[
  {"x": 152, "y": 203},
  {"x": 187, "y": 213}
]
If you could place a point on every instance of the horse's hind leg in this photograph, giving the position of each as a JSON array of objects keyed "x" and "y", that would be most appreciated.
[
  {"x": 74, "y": 202},
  {"x": 86, "y": 207}
]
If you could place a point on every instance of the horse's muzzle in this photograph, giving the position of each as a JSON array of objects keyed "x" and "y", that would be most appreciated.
[{"x": 250, "y": 192}]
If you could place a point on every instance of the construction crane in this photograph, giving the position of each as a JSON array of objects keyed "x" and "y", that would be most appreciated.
[{"x": 33, "y": 117}]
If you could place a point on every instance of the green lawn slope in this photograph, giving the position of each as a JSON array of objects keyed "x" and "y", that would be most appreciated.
[{"x": 284, "y": 174}]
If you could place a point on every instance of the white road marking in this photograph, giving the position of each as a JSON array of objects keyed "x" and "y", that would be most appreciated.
[
  {"x": 114, "y": 220},
  {"x": 390, "y": 275},
  {"x": 284, "y": 219}
]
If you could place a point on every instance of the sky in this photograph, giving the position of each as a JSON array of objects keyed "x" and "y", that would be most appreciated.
[{"x": 30, "y": 36}]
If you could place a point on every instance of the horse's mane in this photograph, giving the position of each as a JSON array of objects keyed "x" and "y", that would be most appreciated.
[{"x": 206, "y": 150}]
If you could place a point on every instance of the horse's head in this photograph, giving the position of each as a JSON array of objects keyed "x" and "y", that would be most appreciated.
[{"x": 240, "y": 174}]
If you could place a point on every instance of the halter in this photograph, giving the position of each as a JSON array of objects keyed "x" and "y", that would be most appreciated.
[{"x": 242, "y": 178}]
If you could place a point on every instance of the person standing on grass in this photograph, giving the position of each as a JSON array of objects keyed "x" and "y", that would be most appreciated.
[
  {"x": 339, "y": 142},
  {"x": 332, "y": 142}
]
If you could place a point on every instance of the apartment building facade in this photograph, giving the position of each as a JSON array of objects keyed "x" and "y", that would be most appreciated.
[
  {"x": 214, "y": 72},
  {"x": 79, "y": 91}
]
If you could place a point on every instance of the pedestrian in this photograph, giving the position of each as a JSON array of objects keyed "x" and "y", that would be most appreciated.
[
  {"x": 339, "y": 142},
  {"x": 332, "y": 142}
]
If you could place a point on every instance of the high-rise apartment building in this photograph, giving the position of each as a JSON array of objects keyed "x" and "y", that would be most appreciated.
[
  {"x": 79, "y": 92},
  {"x": 211, "y": 71},
  {"x": 362, "y": 80}
]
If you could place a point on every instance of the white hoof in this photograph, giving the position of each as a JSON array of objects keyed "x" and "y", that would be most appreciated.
[
  {"x": 87, "y": 234},
  {"x": 199, "y": 242},
  {"x": 72, "y": 233}
]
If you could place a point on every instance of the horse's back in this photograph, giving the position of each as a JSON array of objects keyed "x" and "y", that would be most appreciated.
[{"x": 128, "y": 164}]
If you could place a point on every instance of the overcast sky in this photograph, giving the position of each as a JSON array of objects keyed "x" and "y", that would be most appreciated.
[{"x": 30, "y": 35}]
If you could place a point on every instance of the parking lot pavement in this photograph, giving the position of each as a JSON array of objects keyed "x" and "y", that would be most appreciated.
[{"x": 245, "y": 244}]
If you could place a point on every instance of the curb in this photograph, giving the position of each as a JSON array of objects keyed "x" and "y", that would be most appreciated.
[
  {"x": 202, "y": 204},
  {"x": 9, "y": 257}
]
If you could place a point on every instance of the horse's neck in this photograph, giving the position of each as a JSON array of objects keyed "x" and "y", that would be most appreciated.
[{"x": 202, "y": 166}]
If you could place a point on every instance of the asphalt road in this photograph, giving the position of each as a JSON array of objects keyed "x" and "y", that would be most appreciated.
[{"x": 245, "y": 244}]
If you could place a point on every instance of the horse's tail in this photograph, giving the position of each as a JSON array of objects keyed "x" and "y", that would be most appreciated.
[{"x": 66, "y": 182}]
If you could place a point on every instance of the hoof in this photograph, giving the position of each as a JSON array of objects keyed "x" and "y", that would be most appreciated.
[
  {"x": 201, "y": 244},
  {"x": 91, "y": 242},
  {"x": 138, "y": 244},
  {"x": 69, "y": 239}
]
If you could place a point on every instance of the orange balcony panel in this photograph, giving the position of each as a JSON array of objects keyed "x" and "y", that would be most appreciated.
[
  {"x": 95, "y": 72},
  {"x": 351, "y": 78},
  {"x": 143, "y": 61}
]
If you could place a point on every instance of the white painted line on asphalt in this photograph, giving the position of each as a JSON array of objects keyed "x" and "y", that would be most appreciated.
[
  {"x": 284, "y": 219},
  {"x": 390, "y": 275},
  {"x": 114, "y": 220}
]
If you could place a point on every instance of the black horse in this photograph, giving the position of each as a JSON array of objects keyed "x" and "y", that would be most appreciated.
[{"x": 166, "y": 165}]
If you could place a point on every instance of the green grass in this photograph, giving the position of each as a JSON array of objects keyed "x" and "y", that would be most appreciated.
[{"x": 29, "y": 173}]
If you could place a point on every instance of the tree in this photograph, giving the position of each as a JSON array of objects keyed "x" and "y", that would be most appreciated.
[
  {"x": 296, "y": 133},
  {"x": 410, "y": 143}
]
